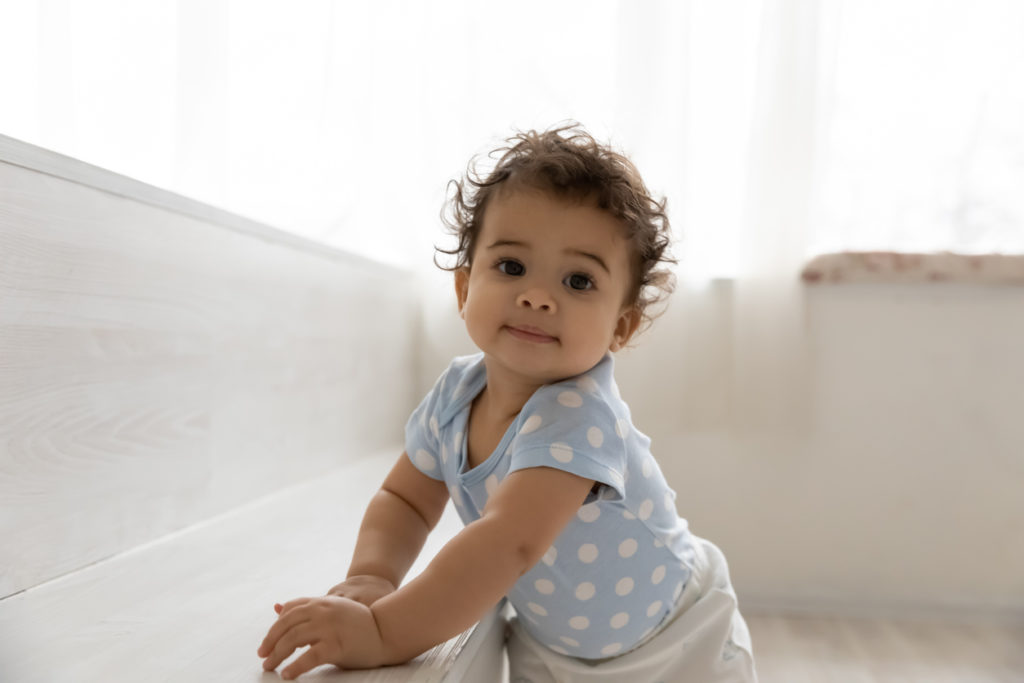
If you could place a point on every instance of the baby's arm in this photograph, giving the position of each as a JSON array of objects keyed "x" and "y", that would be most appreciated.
[
  {"x": 477, "y": 567},
  {"x": 466, "y": 578},
  {"x": 394, "y": 528}
]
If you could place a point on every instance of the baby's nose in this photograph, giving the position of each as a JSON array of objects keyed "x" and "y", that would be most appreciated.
[{"x": 538, "y": 299}]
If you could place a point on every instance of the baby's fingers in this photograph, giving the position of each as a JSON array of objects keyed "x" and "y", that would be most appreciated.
[
  {"x": 288, "y": 643},
  {"x": 278, "y": 630},
  {"x": 309, "y": 660},
  {"x": 291, "y": 604}
]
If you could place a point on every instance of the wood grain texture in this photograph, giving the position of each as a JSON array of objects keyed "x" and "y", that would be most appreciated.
[
  {"x": 157, "y": 369},
  {"x": 195, "y": 605}
]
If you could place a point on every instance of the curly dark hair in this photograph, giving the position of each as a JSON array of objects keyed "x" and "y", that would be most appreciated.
[{"x": 569, "y": 163}]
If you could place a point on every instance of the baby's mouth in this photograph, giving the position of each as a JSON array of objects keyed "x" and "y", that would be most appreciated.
[{"x": 530, "y": 334}]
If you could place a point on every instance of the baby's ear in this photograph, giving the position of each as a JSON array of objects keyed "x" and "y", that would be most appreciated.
[
  {"x": 625, "y": 328},
  {"x": 461, "y": 287}
]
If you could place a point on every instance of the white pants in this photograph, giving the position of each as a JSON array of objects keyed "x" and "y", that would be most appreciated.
[{"x": 705, "y": 640}]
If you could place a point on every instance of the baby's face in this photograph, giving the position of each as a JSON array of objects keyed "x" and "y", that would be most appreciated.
[{"x": 546, "y": 295}]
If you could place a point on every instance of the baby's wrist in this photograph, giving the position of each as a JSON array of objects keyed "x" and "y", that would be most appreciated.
[
  {"x": 369, "y": 578},
  {"x": 389, "y": 650},
  {"x": 368, "y": 575}
]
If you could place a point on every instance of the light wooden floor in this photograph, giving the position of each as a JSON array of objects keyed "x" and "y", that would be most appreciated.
[{"x": 795, "y": 649}]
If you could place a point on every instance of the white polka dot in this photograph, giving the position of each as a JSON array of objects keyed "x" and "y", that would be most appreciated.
[
  {"x": 670, "y": 503},
  {"x": 658, "y": 575},
  {"x": 658, "y": 543},
  {"x": 628, "y": 515},
  {"x": 570, "y": 399},
  {"x": 589, "y": 512},
  {"x": 619, "y": 620},
  {"x": 569, "y": 641},
  {"x": 546, "y": 587},
  {"x": 627, "y": 547},
  {"x": 611, "y": 649},
  {"x": 456, "y": 494},
  {"x": 425, "y": 461},
  {"x": 444, "y": 453},
  {"x": 595, "y": 436},
  {"x": 531, "y": 424},
  {"x": 537, "y": 609},
  {"x": 560, "y": 650},
  {"x": 579, "y": 623},
  {"x": 624, "y": 586},
  {"x": 457, "y": 442},
  {"x": 434, "y": 427},
  {"x": 587, "y": 553},
  {"x": 491, "y": 484},
  {"x": 587, "y": 383},
  {"x": 585, "y": 591},
  {"x": 617, "y": 479},
  {"x": 550, "y": 556},
  {"x": 622, "y": 428},
  {"x": 646, "y": 508},
  {"x": 647, "y": 469},
  {"x": 654, "y": 608},
  {"x": 562, "y": 452}
]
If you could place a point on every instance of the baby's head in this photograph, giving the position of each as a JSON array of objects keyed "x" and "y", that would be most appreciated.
[{"x": 567, "y": 163}]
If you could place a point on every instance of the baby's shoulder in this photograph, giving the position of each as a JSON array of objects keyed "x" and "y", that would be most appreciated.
[
  {"x": 585, "y": 404},
  {"x": 594, "y": 389},
  {"x": 462, "y": 373}
]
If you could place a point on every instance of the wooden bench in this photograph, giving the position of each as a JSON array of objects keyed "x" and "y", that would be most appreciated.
[
  {"x": 185, "y": 430},
  {"x": 194, "y": 605}
]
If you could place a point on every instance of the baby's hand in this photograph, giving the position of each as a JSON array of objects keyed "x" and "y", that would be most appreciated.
[
  {"x": 340, "y": 631},
  {"x": 366, "y": 589}
]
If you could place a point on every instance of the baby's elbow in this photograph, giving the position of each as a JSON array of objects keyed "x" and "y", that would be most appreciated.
[
  {"x": 528, "y": 552},
  {"x": 516, "y": 545}
]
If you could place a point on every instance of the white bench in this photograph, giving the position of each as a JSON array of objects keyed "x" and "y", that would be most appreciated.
[
  {"x": 194, "y": 605},
  {"x": 185, "y": 429}
]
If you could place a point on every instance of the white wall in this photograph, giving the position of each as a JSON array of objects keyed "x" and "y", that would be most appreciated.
[{"x": 900, "y": 487}]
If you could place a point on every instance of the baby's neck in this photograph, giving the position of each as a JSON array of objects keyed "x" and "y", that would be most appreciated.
[
  {"x": 504, "y": 395},
  {"x": 496, "y": 405}
]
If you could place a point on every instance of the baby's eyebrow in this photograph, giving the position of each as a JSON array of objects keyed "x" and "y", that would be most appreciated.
[
  {"x": 593, "y": 257},
  {"x": 506, "y": 243}
]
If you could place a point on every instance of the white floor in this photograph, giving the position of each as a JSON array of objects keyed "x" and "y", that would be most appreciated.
[{"x": 792, "y": 649}]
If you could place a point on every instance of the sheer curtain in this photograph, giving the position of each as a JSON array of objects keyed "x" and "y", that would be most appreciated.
[
  {"x": 344, "y": 121},
  {"x": 775, "y": 128}
]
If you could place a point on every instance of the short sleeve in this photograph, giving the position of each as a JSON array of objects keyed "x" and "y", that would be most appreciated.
[
  {"x": 568, "y": 428},
  {"x": 422, "y": 436}
]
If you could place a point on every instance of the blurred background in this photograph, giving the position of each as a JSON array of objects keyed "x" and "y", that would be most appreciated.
[{"x": 893, "y": 125}]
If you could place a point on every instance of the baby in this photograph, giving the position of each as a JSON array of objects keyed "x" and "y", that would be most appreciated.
[{"x": 561, "y": 251}]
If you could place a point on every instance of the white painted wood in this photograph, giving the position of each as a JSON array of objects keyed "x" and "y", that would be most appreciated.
[
  {"x": 158, "y": 368},
  {"x": 195, "y": 605},
  {"x": 17, "y": 153},
  {"x": 482, "y": 660}
]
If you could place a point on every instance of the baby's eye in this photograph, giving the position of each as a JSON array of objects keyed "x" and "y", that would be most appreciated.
[
  {"x": 510, "y": 267},
  {"x": 579, "y": 282}
]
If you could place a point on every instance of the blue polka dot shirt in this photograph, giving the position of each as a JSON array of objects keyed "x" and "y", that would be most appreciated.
[{"x": 614, "y": 573}]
